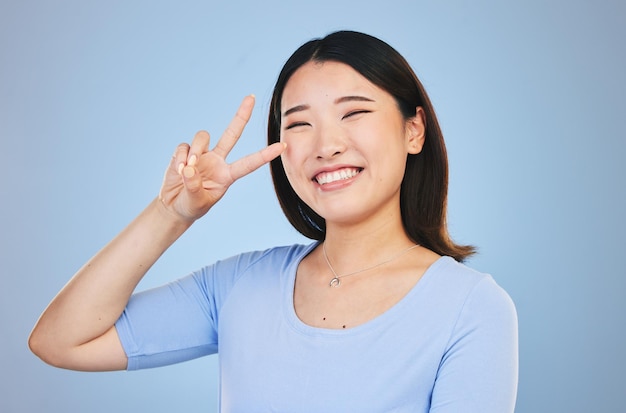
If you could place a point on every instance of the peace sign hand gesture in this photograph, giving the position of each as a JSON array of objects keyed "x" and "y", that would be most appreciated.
[{"x": 198, "y": 177}]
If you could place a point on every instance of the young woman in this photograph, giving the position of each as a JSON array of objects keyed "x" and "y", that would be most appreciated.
[{"x": 376, "y": 315}]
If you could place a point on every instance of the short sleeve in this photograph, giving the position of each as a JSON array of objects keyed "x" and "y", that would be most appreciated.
[
  {"x": 479, "y": 370},
  {"x": 179, "y": 321},
  {"x": 168, "y": 324}
]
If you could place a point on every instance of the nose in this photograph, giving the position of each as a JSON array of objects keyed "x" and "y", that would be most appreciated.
[{"x": 331, "y": 142}]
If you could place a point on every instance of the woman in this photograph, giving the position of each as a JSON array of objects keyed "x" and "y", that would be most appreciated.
[{"x": 376, "y": 315}]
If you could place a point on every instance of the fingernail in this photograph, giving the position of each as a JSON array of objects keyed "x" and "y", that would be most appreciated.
[
  {"x": 192, "y": 160},
  {"x": 180, "y": 168},
  {"x": 189, "y": 171}
]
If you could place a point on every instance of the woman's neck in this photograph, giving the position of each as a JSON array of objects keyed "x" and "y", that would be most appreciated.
[{"x": 366, "y": 244}]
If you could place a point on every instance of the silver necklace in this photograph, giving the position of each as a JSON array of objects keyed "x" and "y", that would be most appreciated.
[{"x": 336, "y": 281}]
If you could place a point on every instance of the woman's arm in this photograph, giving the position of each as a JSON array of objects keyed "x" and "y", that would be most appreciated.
[{"x": 76, "y": 331}]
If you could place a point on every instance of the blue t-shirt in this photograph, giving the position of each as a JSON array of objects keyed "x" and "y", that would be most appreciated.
[{"x": 450, "y": 345}]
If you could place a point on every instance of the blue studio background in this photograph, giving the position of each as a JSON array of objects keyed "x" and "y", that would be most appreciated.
[{"x": 94, "y": 97}]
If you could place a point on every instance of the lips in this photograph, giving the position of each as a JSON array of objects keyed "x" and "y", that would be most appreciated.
[{"x": 327, "y": 177}]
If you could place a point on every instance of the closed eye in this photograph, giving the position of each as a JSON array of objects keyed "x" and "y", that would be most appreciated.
[
  {"x": 355, "y": 113},
  {"x": 296, "y": 124}
]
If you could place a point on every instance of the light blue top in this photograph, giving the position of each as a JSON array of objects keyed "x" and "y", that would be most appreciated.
[{"x": 450, "y": 345}]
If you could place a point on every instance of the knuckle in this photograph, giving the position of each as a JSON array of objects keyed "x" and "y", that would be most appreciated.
[
  {"x": 231, "y": 133},
  {"x": 182, "y": 147},
  {"x": 200, "y": 138}
]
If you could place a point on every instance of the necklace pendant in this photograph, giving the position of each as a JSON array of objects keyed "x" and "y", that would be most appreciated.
[{"x": 335, "y": 282}]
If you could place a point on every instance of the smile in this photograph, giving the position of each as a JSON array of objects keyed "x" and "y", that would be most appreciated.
[{"x": 334, "y": 176}]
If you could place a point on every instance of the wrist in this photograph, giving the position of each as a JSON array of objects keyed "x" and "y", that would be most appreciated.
[{"x": 170, "y": 216}]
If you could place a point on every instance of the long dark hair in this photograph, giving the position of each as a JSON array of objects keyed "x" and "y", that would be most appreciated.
[{"x": 424, "y": 189}]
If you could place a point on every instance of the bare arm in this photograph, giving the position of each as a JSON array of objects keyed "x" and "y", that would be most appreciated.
[{"x": 77, "y": 330}]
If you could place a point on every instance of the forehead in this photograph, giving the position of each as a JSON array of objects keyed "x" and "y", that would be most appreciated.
[{"x": 328, "y": 79}]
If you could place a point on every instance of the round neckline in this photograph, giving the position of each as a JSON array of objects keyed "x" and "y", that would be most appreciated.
[{"x": 367, "y": 327}]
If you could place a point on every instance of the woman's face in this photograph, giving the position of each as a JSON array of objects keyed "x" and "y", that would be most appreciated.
[{"x": 347, "y": 143}]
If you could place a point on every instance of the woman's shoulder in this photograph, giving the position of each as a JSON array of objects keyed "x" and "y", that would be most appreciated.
[
  {"x": 277, "y": 255},
  {"x": 272, "y": 260},
  {"x": 465, "y": 283}
]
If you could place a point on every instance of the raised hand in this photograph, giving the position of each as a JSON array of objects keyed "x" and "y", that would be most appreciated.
[
  {"x": 76, "y": 330},
  {"x": 198, "y": 177}
]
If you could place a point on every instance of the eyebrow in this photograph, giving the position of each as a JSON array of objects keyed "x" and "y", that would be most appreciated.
[
  {"x": 298, "y": 108},
  {"x": 353, "y": 99},
  {"x": 342, "y": 99}
]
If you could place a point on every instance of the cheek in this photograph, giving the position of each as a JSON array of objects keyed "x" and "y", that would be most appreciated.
[
  {"x": 286, "y": 157},
  {"x": 293, "y": 157}
]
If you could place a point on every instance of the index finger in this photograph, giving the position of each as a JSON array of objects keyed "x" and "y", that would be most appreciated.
[
  {"x": 235, "y": 127},
  {"x": 255, "y": 160}
]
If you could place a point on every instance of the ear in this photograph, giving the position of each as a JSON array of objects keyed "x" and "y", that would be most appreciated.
[{"x": 416, "y": 131}]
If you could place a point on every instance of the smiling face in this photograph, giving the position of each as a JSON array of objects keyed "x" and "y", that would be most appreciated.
[{"x": 347, "y": 143}]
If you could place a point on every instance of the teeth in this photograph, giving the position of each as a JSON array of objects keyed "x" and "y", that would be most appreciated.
[{"x": 328, "y": 177}]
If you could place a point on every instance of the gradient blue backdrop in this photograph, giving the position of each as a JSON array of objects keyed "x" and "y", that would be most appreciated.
[{"x": 94, "y": 96}]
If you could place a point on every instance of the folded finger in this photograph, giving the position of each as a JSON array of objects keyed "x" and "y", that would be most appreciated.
[
  {"x": 199, "y": 145},
  {"x": 235, "y": 128},
  {"x": 179, "y": 159}
]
